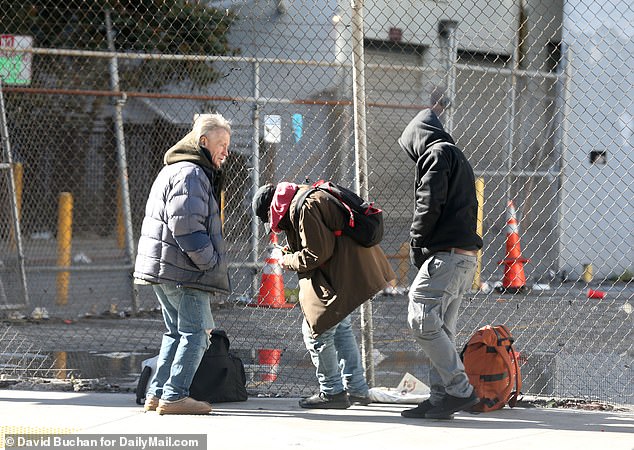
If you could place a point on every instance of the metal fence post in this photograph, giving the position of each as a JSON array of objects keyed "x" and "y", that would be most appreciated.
[
  {"x": 512, "y": 106},
  {"x": 361, "y": 166},
  {"x": 255, "y": 175},
  {"x": 564, "y": 102},
  {"x": 121, "y": 157},
  {"x": 6, "y": 147},
  {"x": 447, "y": 32}
]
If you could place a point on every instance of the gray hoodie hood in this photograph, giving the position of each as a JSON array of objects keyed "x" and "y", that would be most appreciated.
[{"x": 423, "y": 130}]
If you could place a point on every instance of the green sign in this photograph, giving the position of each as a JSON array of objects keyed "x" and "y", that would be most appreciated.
[
  {"x": 12, "y": 70},
  {"x": 15, "y": 66}
]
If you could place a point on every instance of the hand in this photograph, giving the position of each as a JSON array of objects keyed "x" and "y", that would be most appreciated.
[
  {"x": 283, "y": 263},
  {"x": 284, "y": 249},
  {"x": 416, "y": 256}
]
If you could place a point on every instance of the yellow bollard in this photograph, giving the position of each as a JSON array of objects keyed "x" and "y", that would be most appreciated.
[
  {"x": 60, "y": 365},
  {"x": 64, "y": 241},
  {"x": 18, "y": 177},
  {"x": 588, "y": 273},
  {"x": 479, "y": 186}
]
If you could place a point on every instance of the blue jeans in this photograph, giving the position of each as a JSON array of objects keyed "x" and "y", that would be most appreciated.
[
  {"x": 434, "y": 301},
  {"x": 187, "y": 316},
  {"x": 337, "y": 360}
]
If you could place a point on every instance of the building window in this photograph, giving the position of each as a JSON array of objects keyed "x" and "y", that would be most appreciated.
[
  {"x": 598, "y": 157},
  {"x": 553, "y": 60}
]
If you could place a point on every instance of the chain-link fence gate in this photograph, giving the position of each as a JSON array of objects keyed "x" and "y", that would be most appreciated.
[{"x": 537, "y": 93}]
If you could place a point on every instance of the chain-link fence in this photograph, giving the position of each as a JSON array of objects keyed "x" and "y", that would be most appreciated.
[{"x": 537, "y": 93}]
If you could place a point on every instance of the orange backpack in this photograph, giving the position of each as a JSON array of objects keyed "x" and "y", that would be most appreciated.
[{"x": 491, "y": 363}]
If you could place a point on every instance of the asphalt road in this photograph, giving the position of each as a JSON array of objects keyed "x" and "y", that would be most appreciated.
[{"x": 571, "y": 345}]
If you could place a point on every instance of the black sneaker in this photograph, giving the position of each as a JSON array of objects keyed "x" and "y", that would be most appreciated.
[
  {"x": 450, "y": 405},
  {"x": 420, "y": 411},
  {"x": 362, "y": 400},
  {"x": 326, "y": 401}
]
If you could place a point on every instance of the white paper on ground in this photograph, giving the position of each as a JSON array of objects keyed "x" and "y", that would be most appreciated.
[{"x": 409, "y": 390}]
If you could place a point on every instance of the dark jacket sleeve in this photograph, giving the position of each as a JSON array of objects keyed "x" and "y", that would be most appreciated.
[{"x": 431, "y": 195}]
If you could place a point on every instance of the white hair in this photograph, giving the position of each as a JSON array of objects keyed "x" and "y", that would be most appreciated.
[{"x": 204, "y": 123}]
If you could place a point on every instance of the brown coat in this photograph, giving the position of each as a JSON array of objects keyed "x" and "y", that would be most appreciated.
[{"x": 336, "y": 275}]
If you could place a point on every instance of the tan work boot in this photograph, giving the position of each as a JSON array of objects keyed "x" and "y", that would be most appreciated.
[
  {"x": 151, "y": 403},
  {"x": 185, "y": 405}
]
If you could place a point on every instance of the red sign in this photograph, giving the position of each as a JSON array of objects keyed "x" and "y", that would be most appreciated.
[{"x": 7, "y": 40}]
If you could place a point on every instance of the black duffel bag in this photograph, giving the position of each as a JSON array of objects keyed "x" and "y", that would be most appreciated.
[{"x": 220, "y": 376}]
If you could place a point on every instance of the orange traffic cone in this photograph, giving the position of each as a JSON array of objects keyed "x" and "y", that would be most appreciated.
[
  {"x": 271, "y": 293},
  {"x": 269, "y": 359},
  {"x": 514, "y": 279}
]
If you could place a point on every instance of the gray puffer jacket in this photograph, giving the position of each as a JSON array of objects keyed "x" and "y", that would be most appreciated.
[{"x": 181, "y": 236}]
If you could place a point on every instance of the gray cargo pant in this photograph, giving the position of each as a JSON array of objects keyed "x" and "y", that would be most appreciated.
[{"x": 434, "y": 302}]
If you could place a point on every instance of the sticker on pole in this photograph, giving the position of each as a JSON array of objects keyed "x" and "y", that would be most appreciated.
[
  {"x": 15, "y": 66},
  {"x": 273, "y": 129}
]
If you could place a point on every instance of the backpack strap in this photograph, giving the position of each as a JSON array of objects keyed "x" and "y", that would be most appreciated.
[
  {"x": 301, "y": 198},
  {"x": 300, "y": 202},
  {"x": 304, "y": 195},
  {"x": 516, "y": 366},
  {"x": 503, "y": 334},
  {"x": 328, "y": 188},
  {"x": 518, "y": 381}
]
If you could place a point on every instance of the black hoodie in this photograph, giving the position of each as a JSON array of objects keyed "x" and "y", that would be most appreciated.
[{"x": 445, "y": 214}]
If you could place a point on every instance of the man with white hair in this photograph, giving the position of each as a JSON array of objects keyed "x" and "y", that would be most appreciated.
[{"x": 181, "y": 254}]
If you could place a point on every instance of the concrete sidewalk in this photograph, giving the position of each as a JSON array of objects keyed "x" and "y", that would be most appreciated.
[{"x": 279, "y": 423}]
